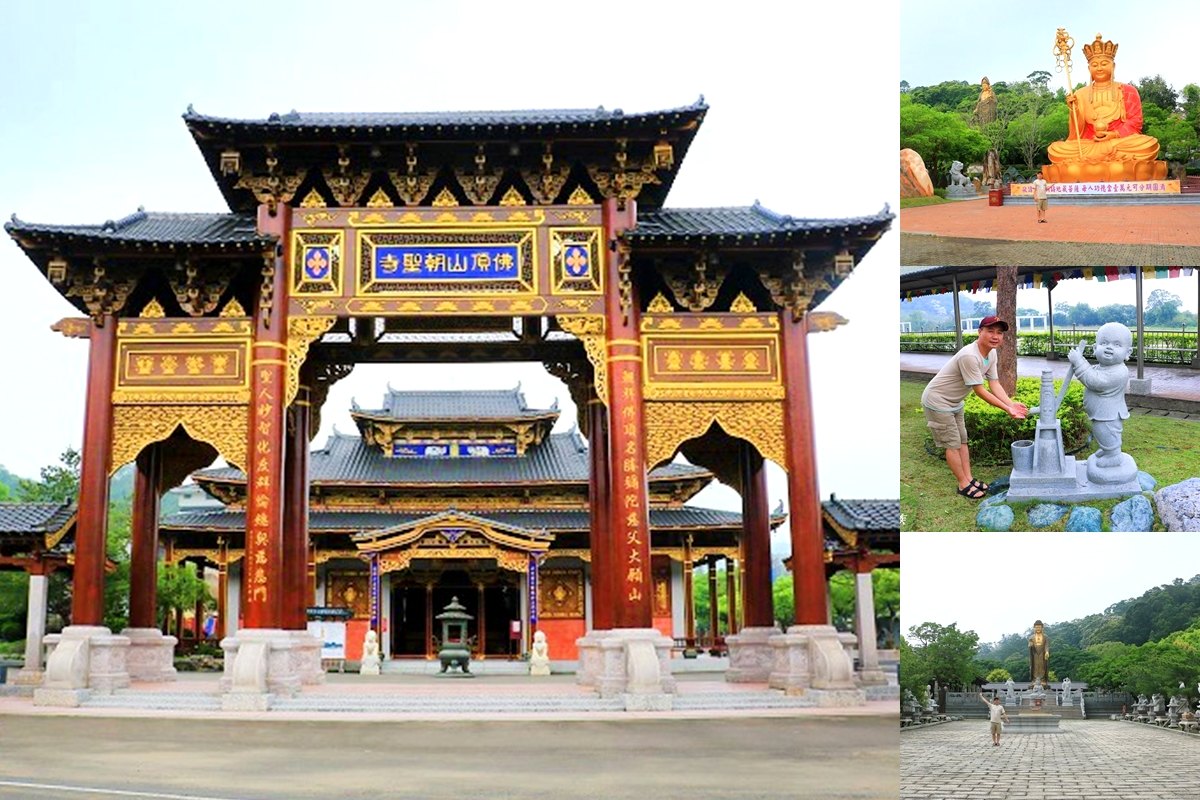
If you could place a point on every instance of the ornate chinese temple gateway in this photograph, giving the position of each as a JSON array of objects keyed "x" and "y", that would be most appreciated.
[{"x": 450, "y": 237}]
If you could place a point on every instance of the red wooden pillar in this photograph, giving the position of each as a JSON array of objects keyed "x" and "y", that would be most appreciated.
[
  {"x": 143, "y": 528},
  {"x": 295, "y": 516},
  {"x": 91, "y": 531},
  {"x": 804, "y": 499},
  {"x": 265, "y": 447},
  {"x": 629, "y": 519},
  {"x": 599, "y": 501},
  {"x": 756, "y": 539}
]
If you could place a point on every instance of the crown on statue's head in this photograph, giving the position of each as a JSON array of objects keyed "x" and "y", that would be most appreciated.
[{"x": 1100, "y": 48}]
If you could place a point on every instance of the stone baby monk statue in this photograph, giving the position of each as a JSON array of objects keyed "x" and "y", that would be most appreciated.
[
  {"x": 1104, "y": 140},
  {"x": 1104, "y": 401}
]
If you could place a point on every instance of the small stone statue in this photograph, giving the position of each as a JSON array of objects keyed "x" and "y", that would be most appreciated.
[
  {"x": 370, "y": 655},
  {"x": 1104, "y": 401},
  {"x": 539, "y": 659},
  {"x": 1010, "y": 697},
  {"x": 1066, "y": 692}
]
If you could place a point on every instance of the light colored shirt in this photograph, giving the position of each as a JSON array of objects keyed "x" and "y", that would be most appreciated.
[
  {"x": 996, "y": 711},
  {"x": 1039, "y": 189},
  {"x": 966, "y": 369}
]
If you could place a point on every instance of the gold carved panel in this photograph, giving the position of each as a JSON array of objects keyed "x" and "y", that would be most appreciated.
[
  {"x": 662, "y": 585},
  {"x": 225, "y": 427},
  {"x": 302, "y": 332},
  {"x": 670, "y": 424},
  {"x": 318, "y": 263},
  {"x": 172, "y": 361},
  {"x": 589, "y": 329},
  {"x": 691, "y": 365},
  {"x": 348, "y": 590},
  {"x": 560, "y": 593},
  {"x": 576, "y": 260}
]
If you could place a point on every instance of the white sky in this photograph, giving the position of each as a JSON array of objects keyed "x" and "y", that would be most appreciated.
[
  {"x": 998, "y": 583},
  {"x": 943, "y": 40},
  {"x": 798, "y": 120}
]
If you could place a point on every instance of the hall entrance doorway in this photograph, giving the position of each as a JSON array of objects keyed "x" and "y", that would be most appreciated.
[{"x": 491, "y": 595}]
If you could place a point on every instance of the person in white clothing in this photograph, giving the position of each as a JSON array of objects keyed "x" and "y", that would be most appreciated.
[{"x": 996, "y": 713}]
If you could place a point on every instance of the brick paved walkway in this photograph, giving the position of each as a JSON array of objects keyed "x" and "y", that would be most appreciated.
[
  {"x": 922, "y": 250},
  {"x": 1105, "y": 224},
  {"x": 1091, "y": 760}
]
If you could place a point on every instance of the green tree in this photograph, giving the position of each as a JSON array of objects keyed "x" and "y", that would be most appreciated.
[
  {"x": 939, "y": 137},
  {"x": 179, "y": 588},
  {"x": 1156, "y": 91},
  {"x": 913, "y": 673},
  {"x": 1177, "y": 139},
  {"x": 1162, "y": 306},
  {"x": 1040, "y": 79},
  {"x": 998, "y": 675},
  {"x": 784, "y": 600},
  {"x": 58, "y": 482},
  {"x": 947, "y": 654},
  {"x": 946, "y": 96}
]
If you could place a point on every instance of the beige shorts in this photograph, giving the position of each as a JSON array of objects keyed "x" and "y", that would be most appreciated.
[
  {"x": 1041, "y": 204},
  {"x": 948, "y": 429},
  {"x": 995, "y": 728}
]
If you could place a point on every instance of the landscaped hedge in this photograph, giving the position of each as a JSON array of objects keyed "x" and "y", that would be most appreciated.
[
  {"x": 992, "y": 431},
  {"x": 1162, "y": 347}
]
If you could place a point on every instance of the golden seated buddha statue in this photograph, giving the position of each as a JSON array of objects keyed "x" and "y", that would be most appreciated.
[{"x": 1104, "y": 140}]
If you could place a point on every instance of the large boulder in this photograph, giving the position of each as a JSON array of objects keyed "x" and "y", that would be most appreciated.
[
  {"x": 995, "y": 518},
  {"x": 914, "y": 178},
  {"x": 1043, "y": 515},
  {"x": 1179, "y": 505},
  {"x": 1084, "y": 518}
]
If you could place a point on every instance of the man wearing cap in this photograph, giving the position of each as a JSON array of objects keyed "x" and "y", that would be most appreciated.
[{"x": 943, "y": 398}]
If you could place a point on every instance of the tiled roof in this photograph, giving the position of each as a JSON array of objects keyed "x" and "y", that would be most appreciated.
[
  {"x": 34, "y": 517},
  {"x": 350, "y": 521},
  {"x": 502, "y": 404},
  {"x": 864, "y": 515},
  {"x": 739, "y": 223},
  {"x": 153, "y": 228},
  {"x": 346, "y": 460},
  {"x": 447, "y": 121}
]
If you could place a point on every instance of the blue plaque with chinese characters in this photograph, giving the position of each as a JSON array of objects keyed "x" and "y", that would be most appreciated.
[{"x": 418, "y": 262}]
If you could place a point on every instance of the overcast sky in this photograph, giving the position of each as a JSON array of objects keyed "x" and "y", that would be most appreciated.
[
  {"x": 800, "y": 120},
  {"x": 998, "y": 583},
  {"x": 944, "y": 40}
]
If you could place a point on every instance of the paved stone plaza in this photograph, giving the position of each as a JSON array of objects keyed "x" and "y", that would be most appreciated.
[
  {"x": 922, "y": 249},
  {"x": 1088, "y": 761}
]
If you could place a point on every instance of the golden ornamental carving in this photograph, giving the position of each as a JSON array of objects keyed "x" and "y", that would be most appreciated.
[
  {"x": 660, "y": 305},
  {"x": 625, "y": 181},
  {"x": 302, "y": 332},
  {"x": 325, "y": 556},
  {"x": 743, "y": 305},
  {"x": 546, "y": 185},
  {"x": 480, "y": 185},
  {"x": 560, "y": 593},
  {"x": 379, "y": 200},
  {"x": 271, "y": 189},
  {"x": 223, "y": 427},
  {"x": 312, "y": 200},
  {"x": 412, "y": 187},
  {"x": 823, "y": 321},
  {"x": 589, "y": 329},
  {"x": 197, "y": 293},
  {"x": 73, "y": 327},
  {"x": 233, "y": 309},
  {"x": 445, "y": 199},
  {"x": 102, "y": 294},
  {"x": 347, "y": 187},
  {"x": 697, "y": 290},
  {"x": 512, "y": 197},
  {"x": 670, "y": 424},
  {"x": 153, "y": 310},
  {"x": 580, "y": 197}
]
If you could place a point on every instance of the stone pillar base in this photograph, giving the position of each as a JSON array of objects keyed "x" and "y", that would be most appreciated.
[
  {"x": 636, "y": 661},
  {"x": 84, "y": 659},
  {"x": 151, "y": 655},
  {"x": 591, "y": 659},
  {"x": 751, "y": 656},
  {"x": 259, "y": 661},
  {"x": 871, "y": 677},
  {"x": 306, "y": 658},
  {"x": 811, "y": 660},
  {"x": 28, "y": 677}
]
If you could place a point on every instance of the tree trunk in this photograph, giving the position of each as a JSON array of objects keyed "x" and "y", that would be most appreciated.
[{"x": 1006, "y": 309}]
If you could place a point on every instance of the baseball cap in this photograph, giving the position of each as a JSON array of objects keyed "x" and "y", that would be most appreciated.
[{"x": 986, "y": 321}]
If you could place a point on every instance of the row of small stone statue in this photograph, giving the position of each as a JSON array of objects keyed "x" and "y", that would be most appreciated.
[
  {"x": 913, "y": 713},
  {"x": 1155, "y": 711}
]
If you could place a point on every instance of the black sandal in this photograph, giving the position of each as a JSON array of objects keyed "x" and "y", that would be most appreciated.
[
  {"x": 972, "y": 492},
  {"x": 978, "y": 484}
]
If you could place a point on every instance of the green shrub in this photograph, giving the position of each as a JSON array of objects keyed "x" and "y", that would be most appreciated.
[
  {"x": 992, "y": 431},
  {"x": 1162, "y": 347}
]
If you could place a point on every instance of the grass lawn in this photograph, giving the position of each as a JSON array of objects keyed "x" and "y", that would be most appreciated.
[
  {"x": 1162, "y": 446},
  {"x": 917, "y": 202}
]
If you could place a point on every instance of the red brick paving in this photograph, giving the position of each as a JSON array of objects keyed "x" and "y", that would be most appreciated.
[{"x": 1175, "y": 224}]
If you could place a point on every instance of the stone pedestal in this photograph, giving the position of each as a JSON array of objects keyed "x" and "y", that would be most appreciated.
[
  {"x": 35, "y": 629},
  {"x": 306, "y": 658},
  {"x": 591, "y": 659},
  {"x": 751, "y": 656},
  {"x": 811, "y": 660},
  {"x": 259, "y": 662},
  {"x": 635, "y": 663},
  {"x": 151, "y": 655},
  {"x": 85, "y": 659}
]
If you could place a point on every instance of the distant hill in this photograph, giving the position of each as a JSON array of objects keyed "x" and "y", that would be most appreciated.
[{"x": 9, "y": 480}]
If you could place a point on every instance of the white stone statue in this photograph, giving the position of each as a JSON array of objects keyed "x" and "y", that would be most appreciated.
[
  {"x": 539, "y": 658},
  {"x": 370, "y": 655},
  {"x": 1066, "y": 690},
  {"x": 1104, "y": 401}
]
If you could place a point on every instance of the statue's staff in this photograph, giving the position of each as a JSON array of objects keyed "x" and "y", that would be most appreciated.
[{"x": 1062, "y": 61}]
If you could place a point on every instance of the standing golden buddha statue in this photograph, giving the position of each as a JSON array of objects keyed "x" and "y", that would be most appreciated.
[{"x": 1105, "y": 140}]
